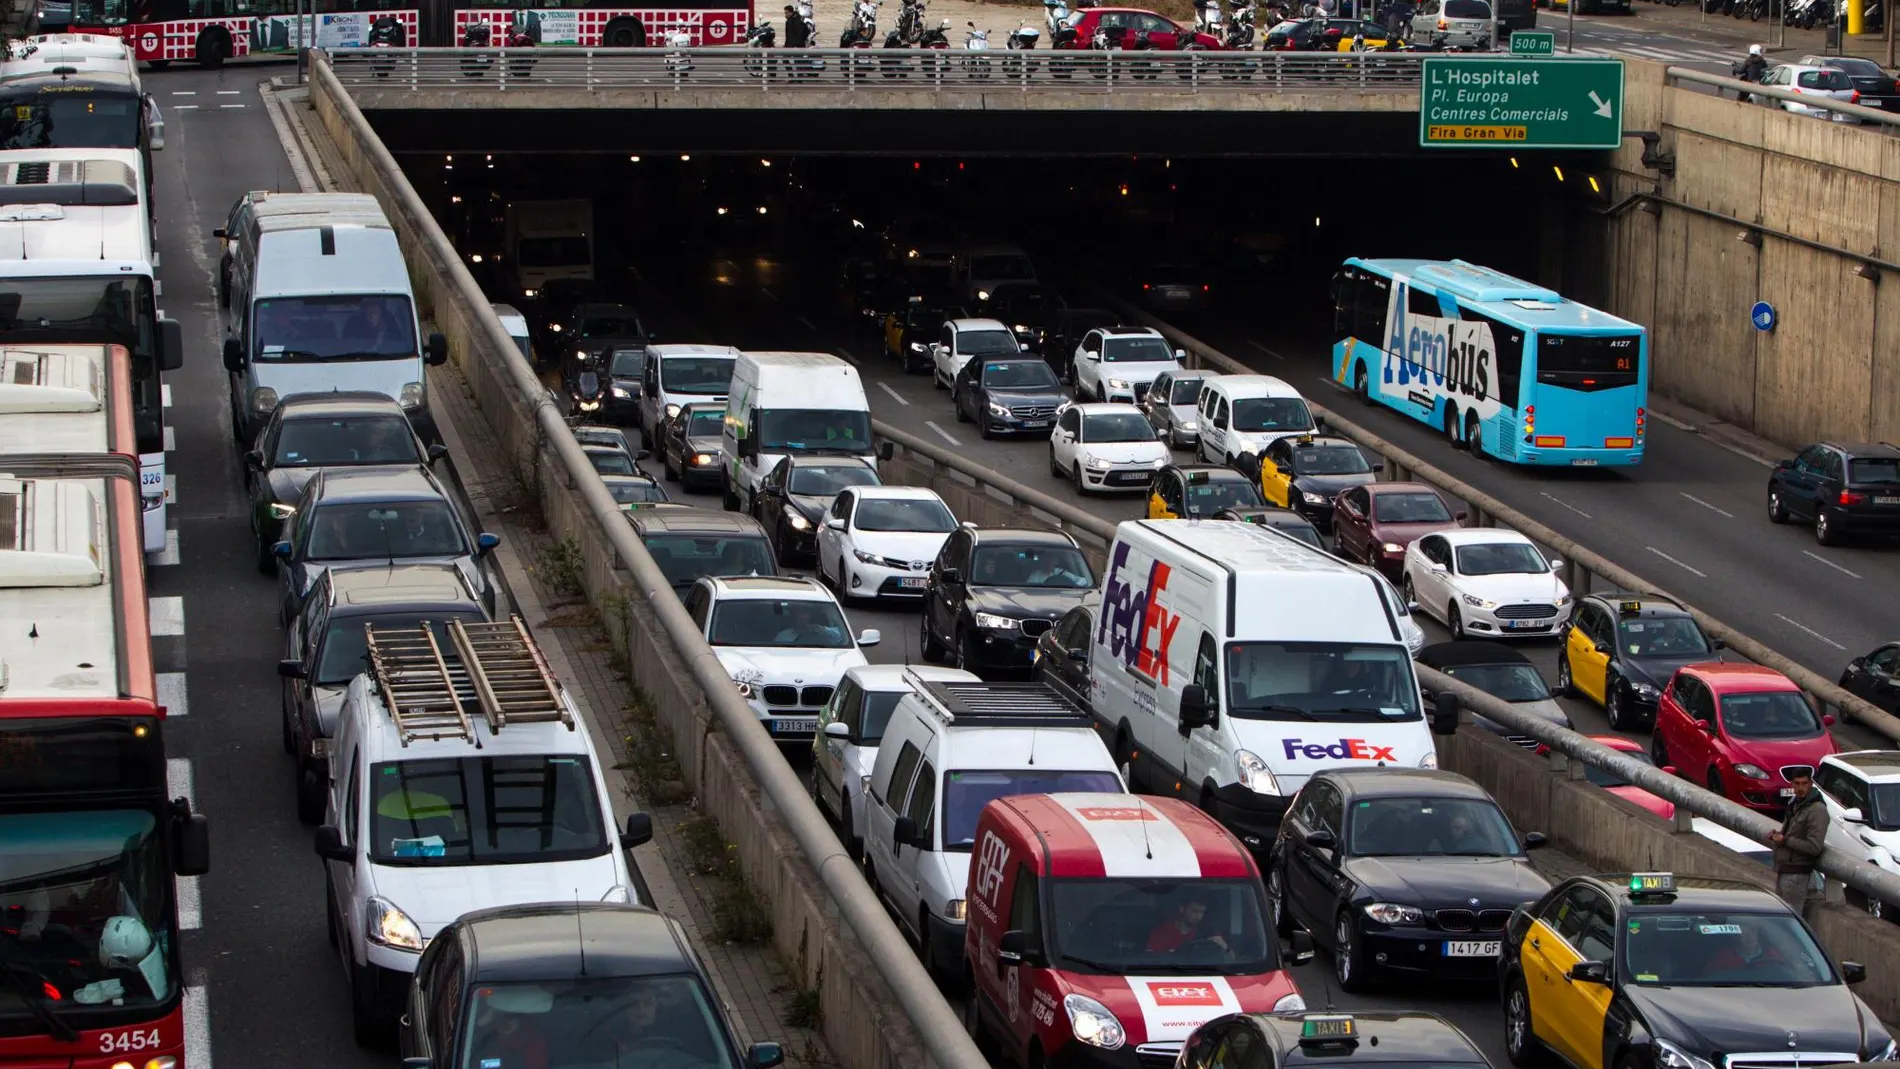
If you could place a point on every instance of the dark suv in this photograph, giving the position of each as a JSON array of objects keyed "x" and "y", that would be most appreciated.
[
  {"x": 1842, "y": 488},
  {"x": 994, "y": 591}
]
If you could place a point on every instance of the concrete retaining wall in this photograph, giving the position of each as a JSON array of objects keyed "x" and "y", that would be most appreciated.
[{"x": 862, "y": 1023}]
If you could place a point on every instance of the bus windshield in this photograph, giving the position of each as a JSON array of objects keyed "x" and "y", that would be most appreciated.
[{"x": 90, "y": 119}]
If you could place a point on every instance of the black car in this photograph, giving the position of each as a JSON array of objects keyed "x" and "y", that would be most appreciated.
[
  {"x": 1842, "y": 488},
  {"x": 1065, "y": 331},
  {"x": 689, "y": 445},
  {"x": 1400, "y": 871},
  {"x": 311, "y": 431},
  {"x": 614, "y": 339},
  {"x": 993, "y": 591},
  {"x": 594, "y": 983},
  {"x": 1171, "y": 286},
  {"x": 1694, "y": 970},
  {"x": 1327, "y": 35},
  {"x": 1876, "y": 87},
  {"x": 1407, "y": 1039},
  {"x": 687, "y": 543},
  {"x": 1620, "y": 651},
  {"x": 325, "y": 648},
  {"x": 1876, "y": 677},
  {"x": 1061, "y": 659},
  {"x": 1028, "y": 308},
  {"x": 909, "y": 330},
  {"x": 1284, "y": 520},
  {"x": 791, "y": 500},
  {"x": 1008, "y": 395},
  {"x": 1502, "y": 672},
  {"x": 1306, "y": 473},
  {"x": 1197, "y": 491}
]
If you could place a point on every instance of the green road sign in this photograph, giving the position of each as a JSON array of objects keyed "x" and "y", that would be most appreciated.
[
  {"x": 1533, "y": 43},
  {"x": 1521, "y": 103}
]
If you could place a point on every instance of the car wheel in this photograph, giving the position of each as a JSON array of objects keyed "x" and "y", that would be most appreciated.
[
  {"x": 1359, "y": 386},
  {"x": 1349, "y": 962},
  {"x": 838, "y": 584},
  {"x": 290, "y": 737},
  {"x": 368, "y": 1025},
  {"x": 1405, "y": 587},
  {"x": 1276, "y": 901},
  {"x": 927, "y": 645},
  {"x": 1125, "y": 759},
  {"x": 966, "y": 653},
  {"x": 984, "y": 430},
  {"x": 1520, "y": 1040},
  {"x": 1714, "y": 782},
  {"x": 1658, "y": 749},
  {"x": 666, "y": 467},
  {"x": 973, "y": 1024},
  {"x": 1777, "y": 512},
  {"x": 1076, "y": 473},
  {"x": 1613, "y": 703},
  {"x": 266, "y": 560},
  {"x": 729, "y": 498},
  {"x": 956, "y": 402},
  {"x": 1566, "y": 687},
  {"x": 853, "y": 846},
  {"x": 1054, "y": 468},
  {"x": 329, "y": 919},
  {"x": 936, "y": 379},
  {"x": 1824, "y": 532},
  {"x": 1454, "y": 622}
]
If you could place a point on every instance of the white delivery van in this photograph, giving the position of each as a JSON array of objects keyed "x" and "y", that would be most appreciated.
[
  {"x": 547, "y": 241},
  {"x": 1231, "y": 663},
  {"x": 785, "y": 403}
]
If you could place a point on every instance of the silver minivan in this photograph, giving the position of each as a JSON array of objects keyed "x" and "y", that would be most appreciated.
[{"x": 1455, "y": 24}]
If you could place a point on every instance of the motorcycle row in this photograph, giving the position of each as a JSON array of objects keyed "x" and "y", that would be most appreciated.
[{"x": 1800, "y": 14}]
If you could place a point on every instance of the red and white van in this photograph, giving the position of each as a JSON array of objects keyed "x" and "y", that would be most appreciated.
[{"x": 1104, "y": 928}]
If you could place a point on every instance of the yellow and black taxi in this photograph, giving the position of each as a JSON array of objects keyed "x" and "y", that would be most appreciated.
[
  {"x": 1285, "y": 521},
  {"x": 1305, "y": 473},
  {"x": 1408, "y": 1039},
  {"x": 1621, "y": 649},
  {"x": 1650, "y": 971},
  {"x": 908, "y": 331},
  {"x": 1197, "y": 491}
]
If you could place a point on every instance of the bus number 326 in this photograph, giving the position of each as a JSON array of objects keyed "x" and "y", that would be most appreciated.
[{"x": 128, "y": 1041}]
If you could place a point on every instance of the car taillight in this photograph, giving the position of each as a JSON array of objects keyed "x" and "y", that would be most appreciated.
[
  {"x": 1203, "y": 287},
  {"x": 1853, "y": 96},
  {"x": 1442, "y": 24},
  {"x": 1849, "y": 497}
]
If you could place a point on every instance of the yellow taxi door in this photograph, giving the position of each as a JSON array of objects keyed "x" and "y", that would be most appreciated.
[
  {"x": 1273, "y": 482},
  {"x": 891, "y": 340},
  {"x": 1587, "y": 666},
  {"x": 1544, "y": 959},
  {"x": 1164, "y": 486},
  {"x": 1567, "y": 1012}
]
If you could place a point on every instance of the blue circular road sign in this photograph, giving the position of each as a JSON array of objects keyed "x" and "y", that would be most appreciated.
[{"x": 1762, "y": 315}]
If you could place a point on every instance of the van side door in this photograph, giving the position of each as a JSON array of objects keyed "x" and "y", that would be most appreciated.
[{"x": 890, "y": 790}]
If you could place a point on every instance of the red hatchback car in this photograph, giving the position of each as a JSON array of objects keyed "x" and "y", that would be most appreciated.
[
  {"x": 1374, "y": 523},
  {"x": 1127, "y": 24},
  {"x": 1740, "y": 729}
]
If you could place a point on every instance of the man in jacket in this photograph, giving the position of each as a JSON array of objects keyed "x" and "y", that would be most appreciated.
[
  {"x": 1799, "y": 843},
  {"x": 1750, "y": 69}
]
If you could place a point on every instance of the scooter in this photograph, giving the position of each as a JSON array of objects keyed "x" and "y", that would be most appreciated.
[
  {"x": 678, "y": 63},
  {"x": 863, "y": 28},
  {"x": 385, "y": 32},
  {"x": 584, "y": 391},
  {"x": 1239, "y": 35},
  {"x": 976, "y": 47},
  {"x": 761, "y": 35},
  {"x": 1055, "y": 14},
  {"x": 1022, "y": 39}
]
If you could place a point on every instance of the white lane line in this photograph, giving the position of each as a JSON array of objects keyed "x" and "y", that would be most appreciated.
[
  {"x": 185, "y": 107},
  {"x": 190, "y": 910},
  {"x": 168, "y": 555},
  {"x": 941, "y": 433},
  {"x": 168, "y": 615},
  {"x": 171, "y": 435},
  {"x": 1264, "y": 349},
  {"x": 1566, "y": 504},
  {"x": 226, "y": 107},
  {"x": 1811, "y": 631},
  {"x": 171, "y": 694},
  {"x": 165, "y": 394},
  {"x": 184, "y": 92},
  {"x": 805, "y": 321},
  {"x": 895, "y": 396},
  {"x": 1706, "y": 505},
  {"x": 769, "y": 293},
  {"x": 1672, "y": 421},
  {"x": 171, "y": 489},
  {"x": 1698, "y": 573},
  {"x": 1831, "y": 564},
  {"x": 197, "y": 1029},
  {"x": 229, "y": 92}
]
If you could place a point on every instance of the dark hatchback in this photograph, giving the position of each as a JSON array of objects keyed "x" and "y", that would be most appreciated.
[
  {"x": 1877, "y": 88},
  {"x": 1876, "y": 677},
  {"x": 994, "y": 591},
  {"x": 1844, "y": 489},
  {"x": 791, "y": 500},
  {"x": 687, "y": 543},
  {"x": 1017, "y": 395},
  {"x": 593, "y": 984}
]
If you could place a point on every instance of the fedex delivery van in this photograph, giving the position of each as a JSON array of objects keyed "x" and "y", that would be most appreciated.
[{"x": 1229, "y": 664}]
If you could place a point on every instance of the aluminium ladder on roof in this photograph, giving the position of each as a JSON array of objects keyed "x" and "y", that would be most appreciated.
[
  {"x": 513, "y": 683},
  {"x": 498, "y": 664},
  {"x": 417, "y": 686}
]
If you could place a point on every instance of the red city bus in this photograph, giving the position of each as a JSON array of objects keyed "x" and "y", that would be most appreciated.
[{"x": 91, "y": 838}]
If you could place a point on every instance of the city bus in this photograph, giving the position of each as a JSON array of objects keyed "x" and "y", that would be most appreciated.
[
  {"x": 78, "y": 102},
  {"x": 76, "y": 269},
  {"x": 92, "y": 839},
  {"x": 1503, "y": 367}
]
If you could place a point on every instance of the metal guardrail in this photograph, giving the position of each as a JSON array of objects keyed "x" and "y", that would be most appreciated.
[
  {"x": 1865, "y": 114},
  {"x": 871, "y": 69}
]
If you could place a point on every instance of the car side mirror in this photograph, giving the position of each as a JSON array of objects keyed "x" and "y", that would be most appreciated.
[
  {"x": 1717, "y": 644},
  {"x": 191, "y": 851},
  {"x": 834, "y": 523},
  {"x": 1535, "y": 839},
  {"x": 1590, "y": 972},
  {"x": 1437, "y": 567},
  {"x": 1181, "y": 355},
  {"x": 765, "y": 1055},
  {"x": 1556, "y": 563},
  {"x": 1446, "y": 711},
  {"x": 1077, "y": 653},
  {"x": 1707, "y": 726},
  {"x": 280, "y": 550},
  {"x": 886, "y": 450},
  {"x": 1319, "y": 424},
  {"x": 639, "y": 830},
  {"x": 1196, "y": 711},
  {"x": 436, "y": 350},
  {"x": 330, "y": 845},
  {"x": 951, "y": 576},
  {"x": 1012, "y": 948},
  {"x": 1378, "y": 465},
  {"x": 254, "y": 460},
  {"x": 1853, "y": 815},
  {"x": 290, "y": 669},
  {"x": 219, "y": 233},
  {"x": 748, "y": 447},
  {"x": 838, "y": 729},
  {"x": 905, "y": 833},
  {"x": 485, "y": 542},
  {"x": 1828, "y": 719},
  {"x": 1321, "y": 839},
  {"x": 1853, "y": 972},
  {"x": 171, "y": 344},
  {"x": 869, "y": 637},
  {"x": 437, "y": 452},
  {"x": 233, "y": 355}
]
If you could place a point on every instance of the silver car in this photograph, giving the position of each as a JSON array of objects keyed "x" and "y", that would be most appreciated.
[
  {"x": 1825, "y": 82},
  {"x": 1455, "y": 24},
  {"x": 1170, "y": 409}
]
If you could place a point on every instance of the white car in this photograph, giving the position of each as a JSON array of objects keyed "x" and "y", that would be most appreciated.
[
  {"x": 1861, "y": 790},
  {"x": 784, "y": 641},
  {"x": 878, "y": 541},
  {"x": 1486, "y": 583},
  {"x": 1120, "y": 363},
  {"x": 1824, "y": 82},
  {"x": 849, "y": 730},
  {"x": 960, "y": 339},
  {"x": 1105, "y": 446},
  {"x": 1408, "y": 627}
]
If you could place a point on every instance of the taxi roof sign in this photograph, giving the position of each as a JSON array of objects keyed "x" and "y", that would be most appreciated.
[
  {"x": 1652, "y": 883},
  {"x": 1629, "y": 608},
  {"x": 1196, "y": 478},
  {"x": 1328, "y": 1028},
  {"x": 1306, "y": 439}
]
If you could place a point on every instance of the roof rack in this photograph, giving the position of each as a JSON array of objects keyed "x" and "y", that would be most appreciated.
[
  {"x": 512, "y": 679},
  {"x": 1012, "y": 705},
  {"x": 497, "y": 667}
]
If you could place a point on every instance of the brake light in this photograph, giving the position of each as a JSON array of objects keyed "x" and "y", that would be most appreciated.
[
  {"x": 1855, "y": 98},
  {"x": 1849, "y": 497},
  {"x": 1441, "y": 24},
  {"x": 1530, "y": 423},
  {"x": 1641, "y": 420},
  {"x": 1145, "y": 286},
  {"x": 1550, "y": 441},
  {"x": 1204, "y": 287}
]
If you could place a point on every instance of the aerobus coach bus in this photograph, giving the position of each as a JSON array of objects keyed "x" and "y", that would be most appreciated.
[{"x": 1503, "y": 367}]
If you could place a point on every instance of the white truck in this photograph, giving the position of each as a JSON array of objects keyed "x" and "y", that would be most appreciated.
[
  {"x": 548, "y": 240},
  {"x": 785, "y": 403}
]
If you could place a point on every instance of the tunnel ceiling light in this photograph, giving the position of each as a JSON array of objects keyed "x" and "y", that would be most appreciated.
[
  {"x": 722, "y": 211},
  {"x": 448, "y": 159},
  {"x": 761, "y": 209},
  {"x": 765, "y": 163},
  {"x": 455, "y": 200},
  {"x": 475, "y": 259},
  {"x": 1316, "y": 222},
  {"x": 1594, "y": 188},
  {"x": 491, "y": 159},
  {"x": 1559, "y": 172},
  {"x": 1513, "y": 163},
  {"x": 1124, "y": 191}
]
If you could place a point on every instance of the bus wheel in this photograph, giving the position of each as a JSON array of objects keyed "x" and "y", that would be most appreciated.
[
  {"x": 624, "y": 33},
  {"x": 1359, "y": 385},
  {"x": 1474, "y": 434},
  {"x": 1451, "y": 426},
  {"x": 213, "y": 46}
]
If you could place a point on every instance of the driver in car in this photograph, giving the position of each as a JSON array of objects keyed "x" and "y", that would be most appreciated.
[
  {"x": 636, "y": 1035},
  {"x": 1183, "y": 928}
]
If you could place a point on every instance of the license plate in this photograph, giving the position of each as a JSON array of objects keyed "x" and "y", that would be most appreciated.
[
  {"x": 1129, "y": 478},
  {"x": 1473, "y": 948},
  {"x": 1885, "y": 500},
  {"x": 916, "y": 582},
  {"x": 1525, "y": 625},
  {"x": 1035, "y": 424},
  {"x": 1583, "y": 463},
  {"x": 1787, "y": 792},
  {"x": 796, "y": 727}
]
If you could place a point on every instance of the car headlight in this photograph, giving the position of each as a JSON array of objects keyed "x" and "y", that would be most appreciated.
[
  {"x": 1393, "y": 547},
  {"x": 530, "y": 293},
  {"x": 953, "y": 910},
  {"x": 1478, "y": 602},
  {"x": 1290, "y": 1004},
  {"x": 916, "y": 347},
  {"x": 998, "y": 411},
  {"x": 580, "y": 354},
  {"x": 1092, "y": 1023},
  {"x": 554, "y": 328},
  {"x": 1312, "y": 498},
  {"x": 998, "y": 623},
  {"x": 391, "y": 927},
  {"x": 1562, "y": 599},
  {"x": 1190, "y": 425},
  {"x": 796, "y": 519},
  {"x": 411, "y": 395},
  {"x": 1645, "y": 691},
  {"x": 263, "y": 400},
  {"x": 1393, "y": 915},
  {"x": 1098, "y": 464},
  {"x": 672, "y": 410},
  {"x": 1670, "y": 1056},
  {"x": 1748, "y": 771},
  {"x": 872, "y": 558},
  {"x": 864, "y": 785},
  {"x": 619, "y": 892},
  {"x": 704, "y": 460},
  {"x": 1118, "y": 384},
  {"x": 1254, "y": 774},
  {"x": 1430, "y": 760},
  {"x": 621, "y": 392},
  {"x": 1020, "y": 328},
  {"x": 745, "y": 688},
  {"x": 280, "y": 511}
]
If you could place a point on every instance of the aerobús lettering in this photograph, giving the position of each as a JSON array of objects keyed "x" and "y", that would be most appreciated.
[
  {"x": 1343, "y": 750},
  {"x": 1135, "y": 626}
]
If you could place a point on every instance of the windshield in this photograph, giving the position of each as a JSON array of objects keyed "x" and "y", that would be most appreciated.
[
  {"x": 1205, "y": 499},
  {"x": 1876, "y": 470},
  {"x": 1505, "y": 682},
  {"x": 927, "y": 515},
  {"x": 655, "y": 1022},
  {"x": 1722, "y": 949},
  {"x": 1410, "y": 508},
  {"x": 1330, "y": 681},
  {"x": 85, "y": 913},
  {"x": 91, "y": 119},
  {"x": 345, "y": 653},
  {"x": 696, "y": 374},
  {"x": 1185, "y": 391},
  {"x": 1501, "y": 558},
  {"x": 770, "y": 622},
  {"x": 1421, "y": 827},
  {"x": 611, "y": 461},
  {"x": 554, "y": 252},
  {"x": 1467, "y": 9},
  {"x": 825, "y": 480},
  {"x": 1002, "y": 269},
  {"x": 345, "y": 327},
  {"x": 1130, "y": 426},
  {"x": 965, "y": 793},
  {"x": 1662, "y": 636},
  {"x": 1298, "y": 528},
  {"x": 1330, "y": 460},
  {"x": 1141, "y": 350},
  {"x": 1058, "y": 567},
  {"x": 1603, "y": 777},
  {"x": 1824, "y": 79},
  {"x": 1776, "y": 714},
  {"x": 1019, "y": 374},
  {"x": 485, "y": 811},
  {"x": 628, "y": 363},
  {"x": 686, "y": 558},
  {"x": 987, "y": 343},
  {"x": 1271, "y": 414},
  {"x": 635, "y": 491},
  {"x": 1122, "y": 926},
  {"x": 1589, "y": 362},
  {"x": 847, "y": 429},
  {"x": 706, "y": 424},
  {"x": 1023, "y": 305},
  {"x": 605, "y": 326},
  {"x": 878, "y": 707},
  {"x": 328, "y": 443},
  {"x": 110, "y": 311},
  {"x": 393, "y": 529}
]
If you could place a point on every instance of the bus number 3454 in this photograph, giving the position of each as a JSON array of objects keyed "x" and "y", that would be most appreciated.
[{"x": 128, "y": 1041}]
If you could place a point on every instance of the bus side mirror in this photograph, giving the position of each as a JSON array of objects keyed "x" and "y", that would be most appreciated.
[
  {"x": 191, "y": 852},
  {"x": 1445, "y": 712},
  {"x": 330, "y": 846},
  {"x": 748, "y": 447},
  {"x": 171, "y": 344},
  {"x": 233, "y": 355}
]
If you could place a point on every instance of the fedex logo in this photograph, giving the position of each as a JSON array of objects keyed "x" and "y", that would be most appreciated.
[
  {"x": 1114, "y": 813},
  {"x": 1135, "y": 626},
  {"x": 1182, "y": 994},
  {"x": 1343, "y": 750},
  {"x": 991, "y": 858}
]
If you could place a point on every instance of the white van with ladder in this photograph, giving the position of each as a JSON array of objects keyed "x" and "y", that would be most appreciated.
[{"x": 461, "y": 778}]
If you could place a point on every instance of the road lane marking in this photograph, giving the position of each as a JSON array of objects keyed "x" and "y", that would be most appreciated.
[
  {"x": 171, "y": 489},
  {"x": 190, "y": 911},
  {"x": 941, "y": 433},
  {"x": 165, "y": 394},
  {"x": 1698, "y": 573},
  {"x": 223, "y": 107},
  {"x": 185, "y": 107},
  {"x": 1831, "y": 564},
  {"x": 167, "y": 615},
  {"x": 1706, "y": 505},
  {"x": 1566, "y": 504},
  {"x": 805, "y": 321},
  {"x": 168, "y": 555},
  {"x": 228, "y": 92},
  {"x": 895, "y": 396},
  {"x": 171, "y": 694},
  {"x": 769, "y": 293},
  {"x": 171, "y": 436},
  {"x": 184, "y": 92},
  {"x": 1811, "y": 631},
  {"x": 1264, "y": 349},
  {"x": 197, "y": 1028}
]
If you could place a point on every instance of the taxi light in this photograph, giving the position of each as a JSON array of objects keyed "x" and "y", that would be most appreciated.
[
  {"x": 1550, "y": 441},
  {"x": 1629, "y": 608},
  {"x": 1328, "y": 1028},
  {"x": 1849, "y": 497},
  {"x": 1652, "y": 883}
]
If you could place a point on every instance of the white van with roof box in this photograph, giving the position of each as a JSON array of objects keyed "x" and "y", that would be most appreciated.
[
  {"x": 1231, "y": 663},
  {"x": 784, "y": 403}
]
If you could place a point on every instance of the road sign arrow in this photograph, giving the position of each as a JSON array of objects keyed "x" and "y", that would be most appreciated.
[{"x": 1603, "y": 106}]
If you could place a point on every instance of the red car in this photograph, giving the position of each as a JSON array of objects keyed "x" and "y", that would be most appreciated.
[
  {"x": 1623, "y": 788},
  {"x": 1128, "y": 23},
  {"x": 1739, "y": 729},
  {"x": 1374, "y": 523}
]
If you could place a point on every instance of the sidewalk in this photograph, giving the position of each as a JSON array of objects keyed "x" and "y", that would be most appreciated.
[{"x": 1687, "y": 20}]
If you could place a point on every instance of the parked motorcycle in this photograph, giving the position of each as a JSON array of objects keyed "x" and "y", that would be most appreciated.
[
  {"x": 760, "y": 36},
  {"x": 976, "y": 52},
  {"x": 477, "y": 35},
  {"x": 1021, "y": 39},
  {"x": 678, "y": 63},
  {"x": 863, "y": 29},
  {"x": 1239, "y": 35},
  {"x": 386, "y": 32}
]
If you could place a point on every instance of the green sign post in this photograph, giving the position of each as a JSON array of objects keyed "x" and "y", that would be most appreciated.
[
  {"x": 1520, "y": 103},
  {"x": 1533, "y": 43}
]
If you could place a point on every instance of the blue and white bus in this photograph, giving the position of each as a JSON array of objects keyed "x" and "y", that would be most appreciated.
[{"x": 1510, "y": 369}]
